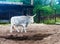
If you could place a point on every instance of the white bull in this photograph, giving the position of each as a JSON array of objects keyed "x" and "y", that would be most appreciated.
[{"x": 21, "y": 21}]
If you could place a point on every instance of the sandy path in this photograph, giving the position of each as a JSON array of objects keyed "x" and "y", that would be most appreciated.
[{"x": 37, "y": 34}]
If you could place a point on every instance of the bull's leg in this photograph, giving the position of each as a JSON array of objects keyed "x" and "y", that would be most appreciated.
[
  {"x": 24, "y": 29},
  {"x": 11, "y": 30},
  {"x": 16, "y": 28}
]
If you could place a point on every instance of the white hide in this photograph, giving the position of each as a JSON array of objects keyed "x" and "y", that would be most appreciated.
[{"x": 21, "y": 21}]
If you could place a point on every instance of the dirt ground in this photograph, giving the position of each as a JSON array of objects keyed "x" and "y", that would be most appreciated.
[{"x": 36, "y": 34}]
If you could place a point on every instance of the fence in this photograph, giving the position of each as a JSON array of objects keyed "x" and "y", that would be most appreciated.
[{"x": 53, "y": 19}]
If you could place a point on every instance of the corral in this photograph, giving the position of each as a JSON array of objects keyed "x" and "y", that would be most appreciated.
[{"x": 36, "y": 34}]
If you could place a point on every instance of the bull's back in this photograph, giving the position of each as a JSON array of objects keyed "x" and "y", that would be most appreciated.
[{"x": 18, "y": 20}]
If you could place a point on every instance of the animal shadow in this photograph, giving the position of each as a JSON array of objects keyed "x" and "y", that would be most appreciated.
[{"x": 25, "y": 37}]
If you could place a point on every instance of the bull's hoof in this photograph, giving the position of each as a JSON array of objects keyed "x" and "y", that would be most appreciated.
[
  {"x": 10, "y": 31},
  {"x": 18, "y": 31},
  {"x": 24, "y": 31}
]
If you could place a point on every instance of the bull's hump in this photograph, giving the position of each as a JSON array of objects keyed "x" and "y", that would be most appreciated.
[{"x": 21, "y": 16}]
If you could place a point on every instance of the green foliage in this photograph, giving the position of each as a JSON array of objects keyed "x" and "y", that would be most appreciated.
[
  {"x": 13, "y": 0},
  {"x": 57, "y": 8},
  {"x": 27, "y": 2},
  {"x": 52, "y": 21},
  {"x": 42, "y": 2},
  {"x": 4, "y": 23},
  {"x": 47, "y": 10},
  {"x": 58, "y": 19},
  {"x": 42, "y": 10}
]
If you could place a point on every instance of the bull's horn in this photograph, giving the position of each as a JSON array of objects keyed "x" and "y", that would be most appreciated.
[{"x": 34, "y": 15}]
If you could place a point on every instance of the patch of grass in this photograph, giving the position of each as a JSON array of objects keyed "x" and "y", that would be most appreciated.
[
  {"x": 49, "y": 21},
  {"x": 57, "y": 19},
  {"x": 4, "y": 23}
]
